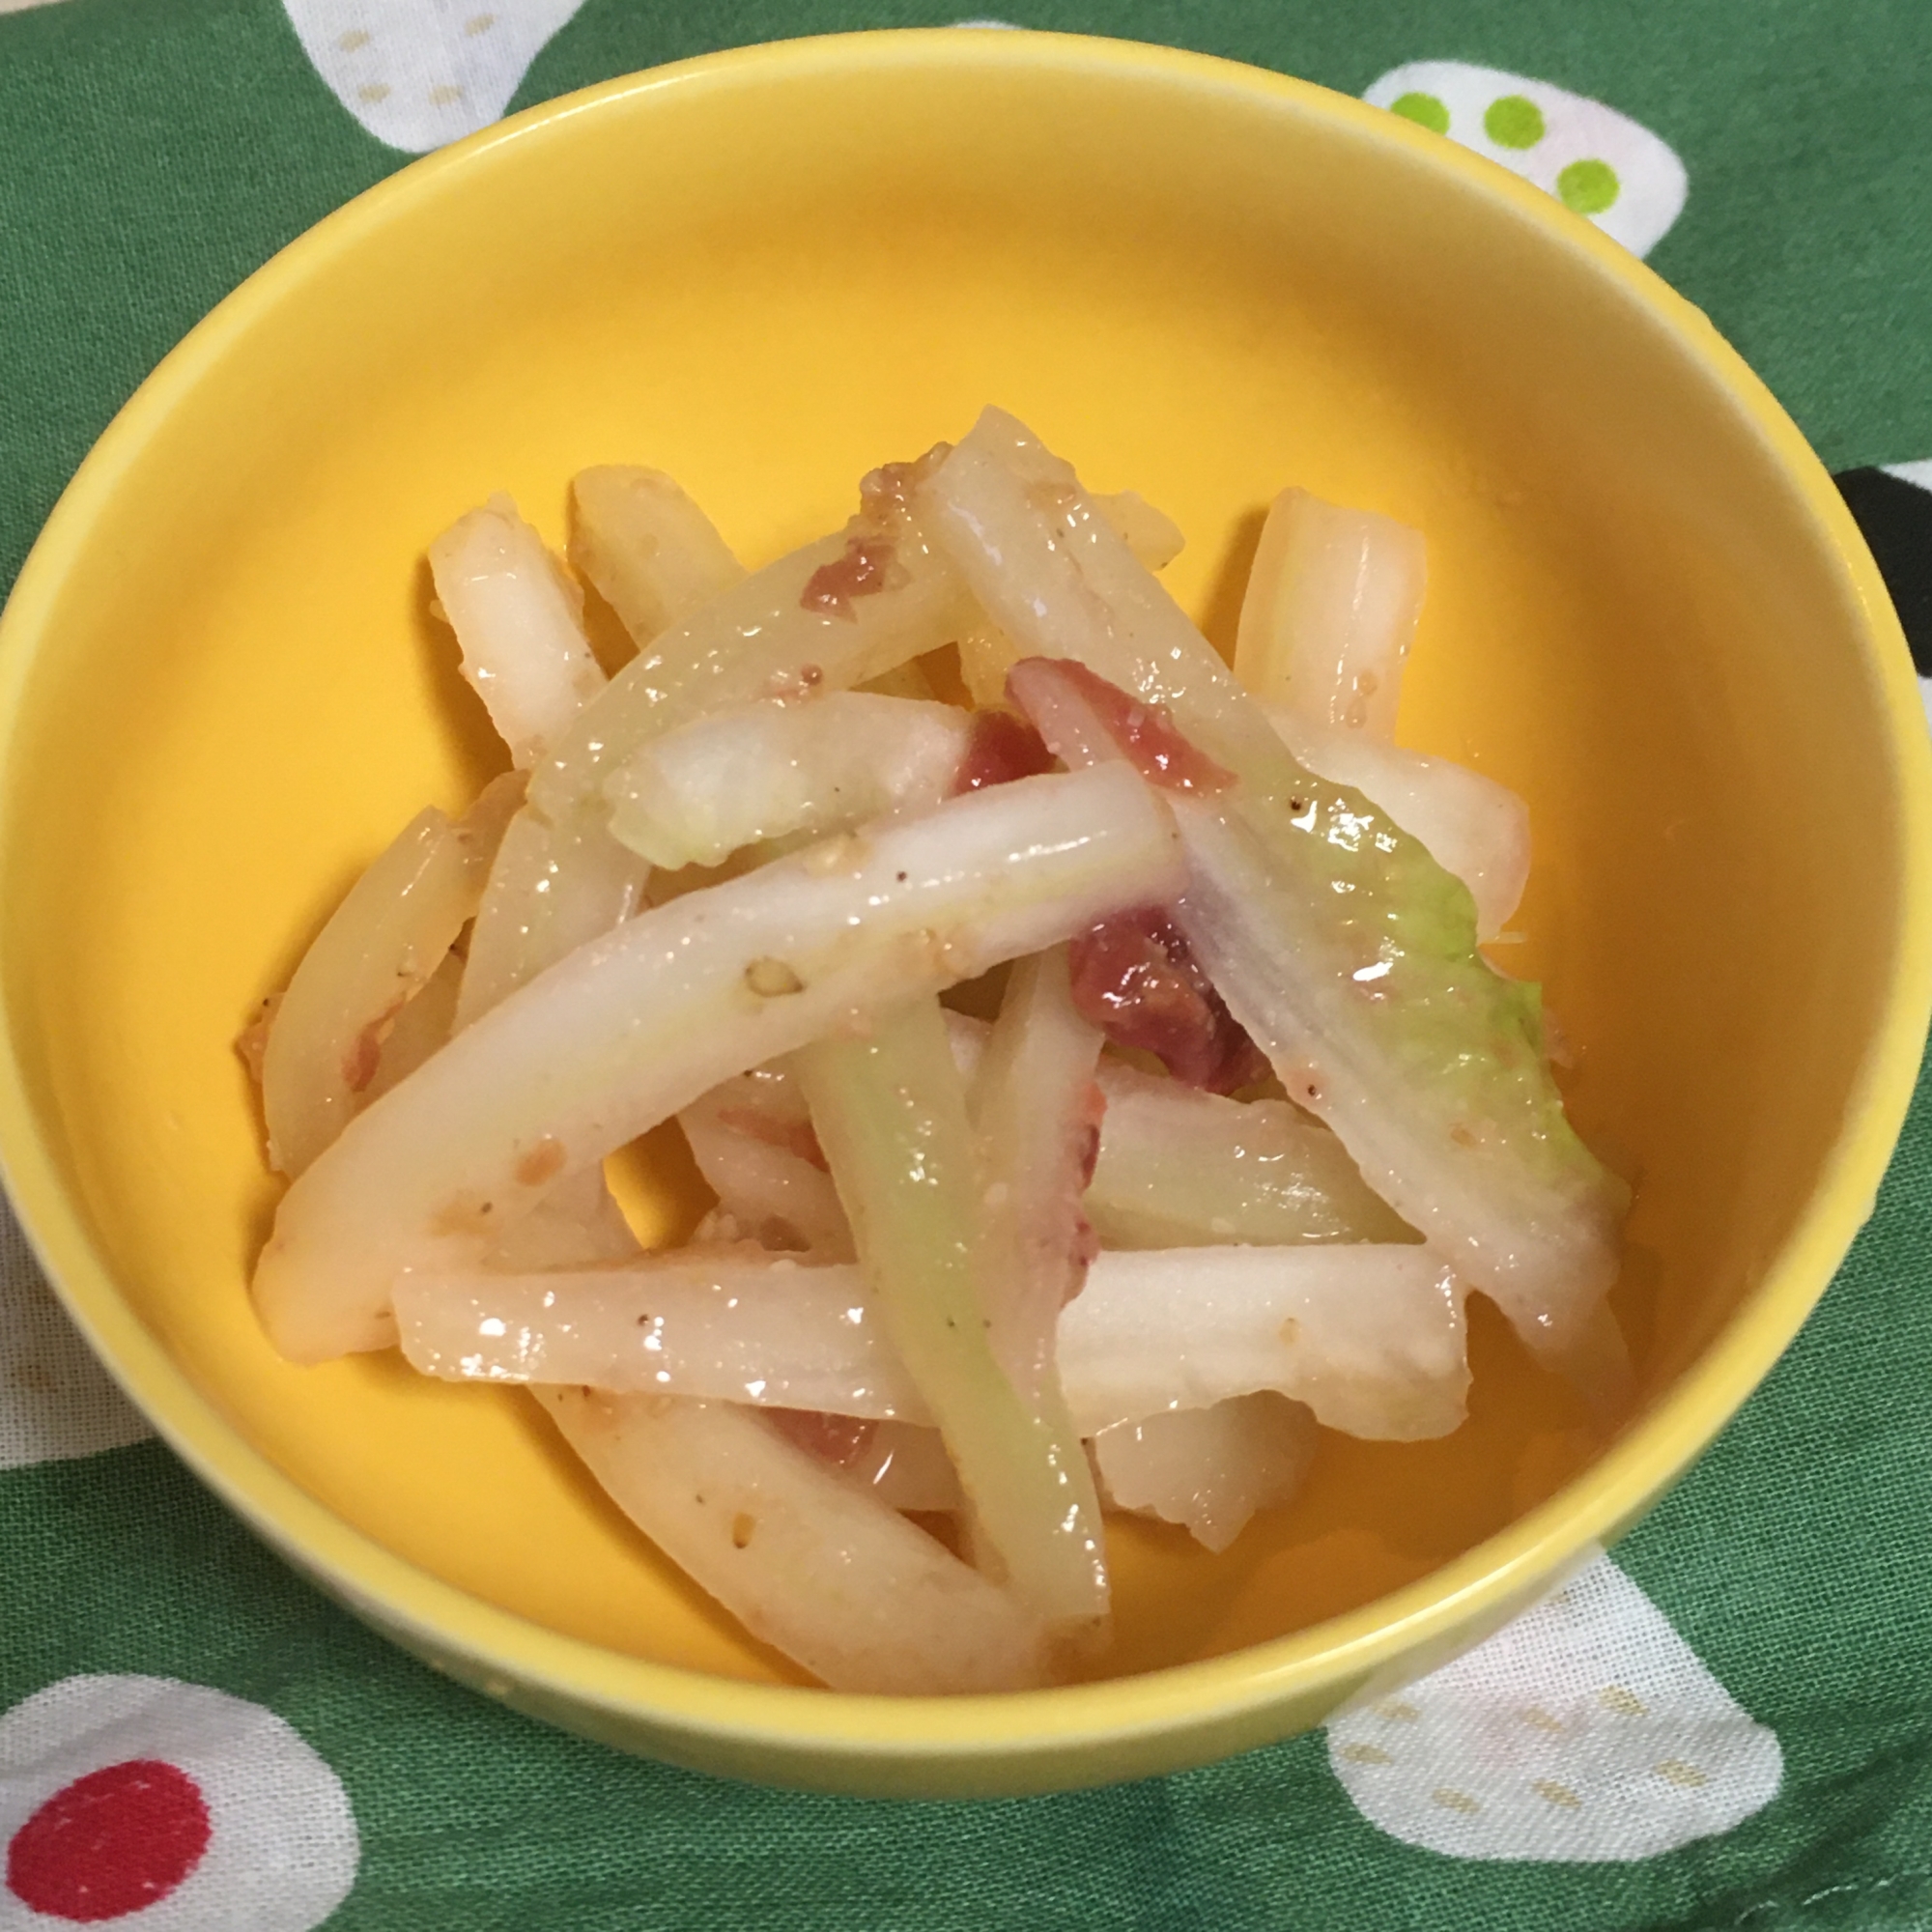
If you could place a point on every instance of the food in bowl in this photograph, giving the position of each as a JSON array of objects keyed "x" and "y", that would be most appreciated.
[{"x": 1254, "y": 1115}]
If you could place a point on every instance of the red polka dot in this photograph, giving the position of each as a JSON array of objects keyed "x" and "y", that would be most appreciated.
[{"x": 109, "y": 1843}]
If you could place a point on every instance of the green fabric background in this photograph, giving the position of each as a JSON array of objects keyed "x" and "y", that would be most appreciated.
[{"x": 152, "y": 153}]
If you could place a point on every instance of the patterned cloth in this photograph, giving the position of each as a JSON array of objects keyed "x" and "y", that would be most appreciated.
[{"x": 1728, "y": 1725}]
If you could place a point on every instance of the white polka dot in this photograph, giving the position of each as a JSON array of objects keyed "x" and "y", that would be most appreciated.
[
  {"x": 281, "y": 1845},
  {"x": 1647, "y": 179},
  {"x": 1586, "y": 1730},
  {"x": 417, "y": 74}
]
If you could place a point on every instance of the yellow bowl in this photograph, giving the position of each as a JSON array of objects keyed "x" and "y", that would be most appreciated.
[{"x": 221, "y": 693}]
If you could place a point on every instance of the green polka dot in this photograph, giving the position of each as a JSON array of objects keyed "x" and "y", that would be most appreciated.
[
  {"x": 1514, "y": 122},
  {"x": 1425, "y": 110},
  {"x": 1588, "y": 186}
]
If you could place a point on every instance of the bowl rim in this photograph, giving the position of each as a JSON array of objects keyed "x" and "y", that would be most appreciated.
[{"x": 507, "y": 1654}]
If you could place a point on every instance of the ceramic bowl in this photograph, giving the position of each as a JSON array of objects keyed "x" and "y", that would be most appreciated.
[{"x": 221, "y": 692}]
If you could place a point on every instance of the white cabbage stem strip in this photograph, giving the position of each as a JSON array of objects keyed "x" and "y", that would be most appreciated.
[
  {"x": 1036, "y": 1117},
  {"x": 1180, "y": 1168},
  {"x": 553, "y": 889},
  {"x": 627, "y": 1030},
  {"x": 553, "y": 885},
  {"x": 1209, "y": 1469},
  {"x": 770, "y": 1194},
  {"x": 1370, "y": 1336},
  {"x": 1050, "y": 571},
  {"x": 986, "y": 654},
  {"x": 550, "y": 889},
  {"x": 1150, "y": 532},
  {"x": 767, "y": 636},
  {"x": 655, "y": 557},
  {"x": 1330, "y": 613},
  {"x": 651, "y": 553},
  {"x": 891, "y": 1113},
  {"x": 517, "y": 619},
  {"x": 731, "y": 1323},
  {"x": 751, "y": 1139},
  {"x": 776, "y": 767},
  {"x": 422, "y": 1028},
  {"x": 384, "y": 941},
  {"x": 804, "y": 1559}
]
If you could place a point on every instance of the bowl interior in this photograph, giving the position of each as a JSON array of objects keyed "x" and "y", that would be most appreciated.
[{"x": 765, "y": 279}]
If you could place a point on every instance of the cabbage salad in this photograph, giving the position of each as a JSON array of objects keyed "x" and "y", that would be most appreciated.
[{"x": 1251, "y": 1117}]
